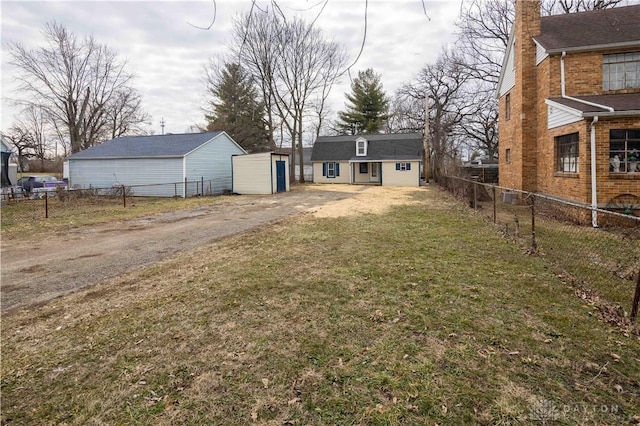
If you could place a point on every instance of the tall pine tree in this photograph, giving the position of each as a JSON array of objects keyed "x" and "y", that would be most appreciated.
[
  {"x": 236, "y": 108},
  {"x": 366, "y": 108}
]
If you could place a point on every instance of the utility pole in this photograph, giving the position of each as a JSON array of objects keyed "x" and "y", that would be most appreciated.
[
  {"x": 162, "y": 125},
  {"x": 427, "y": 148}
]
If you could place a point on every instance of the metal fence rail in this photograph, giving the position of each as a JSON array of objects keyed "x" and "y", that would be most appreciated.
[{"x": 603, "y": 263}]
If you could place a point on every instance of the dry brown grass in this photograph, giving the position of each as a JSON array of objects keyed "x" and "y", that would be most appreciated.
[{"x": 416, "y": 315}]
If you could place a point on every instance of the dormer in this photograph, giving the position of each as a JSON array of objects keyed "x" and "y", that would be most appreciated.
[{"x": 361, "y": 147}]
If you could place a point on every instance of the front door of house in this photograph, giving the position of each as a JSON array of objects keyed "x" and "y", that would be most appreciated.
[{"x": 373, "y": 174}]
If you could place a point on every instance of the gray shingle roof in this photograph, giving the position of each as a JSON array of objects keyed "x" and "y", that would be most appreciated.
[
  {"x": 398, "y": 146},
  {"x": 619, "y": 102},
  {"x": 574, "y": 31},
  {"x": 147, "y": 146}
]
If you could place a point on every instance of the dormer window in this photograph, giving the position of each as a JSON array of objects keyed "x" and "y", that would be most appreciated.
[{"x": 361, "y": 147}]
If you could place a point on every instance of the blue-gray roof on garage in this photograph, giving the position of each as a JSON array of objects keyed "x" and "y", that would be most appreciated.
[{"x": 173, "y": 145}]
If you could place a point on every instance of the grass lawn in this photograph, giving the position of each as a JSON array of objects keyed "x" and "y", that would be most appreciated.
[
  {"x": 420, "y": 315},
  {"x": 27, "y": 217}
]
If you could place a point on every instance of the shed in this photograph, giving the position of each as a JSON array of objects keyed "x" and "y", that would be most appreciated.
[
  {"x": 160, "y": 165},
  {"x": 262, "y": 173}
]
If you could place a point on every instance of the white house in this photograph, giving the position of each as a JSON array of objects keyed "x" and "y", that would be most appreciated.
[
  {"x": 160, "y": 165},
  {"x": 375, "y": 159},
  {"x": 262, "y": 173}
]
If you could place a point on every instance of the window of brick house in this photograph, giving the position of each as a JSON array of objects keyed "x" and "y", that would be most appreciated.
[
  {"x": 507, "y": 155},
  {"x": 621, "y": 71},
  {"x": 624, "y": 151},
  {"x": 507, "y": 106},
  {"x": 567, "y": 153}
]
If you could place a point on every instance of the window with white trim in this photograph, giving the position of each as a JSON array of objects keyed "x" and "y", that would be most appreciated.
[
  {"x": 403, "y": 166},
  {"x": 330, "y": 169},
  {"x": 621, "y": 71},
  {"x": 361, "y": 147},
  {"x": 567, "y": 153},
  {"x": 624, "y": 151}
]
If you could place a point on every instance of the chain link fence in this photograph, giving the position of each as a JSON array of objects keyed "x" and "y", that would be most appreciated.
[
  {"x": 20, "y": 206},
  {"x": 602, "y": 263}
]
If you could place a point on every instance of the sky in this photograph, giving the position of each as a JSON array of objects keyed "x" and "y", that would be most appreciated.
[{"x": 168, "y": 54}]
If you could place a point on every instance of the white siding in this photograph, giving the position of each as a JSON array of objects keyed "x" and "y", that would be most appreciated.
[
  {"x": 252, "y": 174},
  {"x": 393, "y": 177},
  {"x": 557, "y": 117},
  {"x": 508, "y": 74},
  {"x": 212, "y": 162},
  {"x": 131, "y": 172},
  {"x": 256, "y": 173},
  {"x": 541, "y": 54},
  {"x": 345, "y": 174}
]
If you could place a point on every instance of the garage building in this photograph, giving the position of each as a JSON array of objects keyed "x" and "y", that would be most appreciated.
[{"x": 160, "y": 165}]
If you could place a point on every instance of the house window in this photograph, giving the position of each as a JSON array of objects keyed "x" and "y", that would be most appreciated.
[
  {"x": 361, "y": 147},
  {"x": 507, "y": 155},
  {"x": 403, "y": 166},
  {"x": 624, "y": 151},
  {"x": 567, "y": 153},
  {"x": 621, "y": 71},
  {"x": 330, "y": 169},
  {"x": 364, "y": 168},
  {"x": 507, "y": 106}
]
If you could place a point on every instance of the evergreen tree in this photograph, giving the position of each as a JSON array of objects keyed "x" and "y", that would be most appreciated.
[
  {"x": 237, "y": 109},
  {"x": 366, "y": 107}
]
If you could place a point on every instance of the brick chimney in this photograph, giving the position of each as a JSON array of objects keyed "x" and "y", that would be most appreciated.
[{"x": 527, "y": 25}]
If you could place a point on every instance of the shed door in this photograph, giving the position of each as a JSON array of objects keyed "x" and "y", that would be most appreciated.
[{"x": 281, "y": 182}]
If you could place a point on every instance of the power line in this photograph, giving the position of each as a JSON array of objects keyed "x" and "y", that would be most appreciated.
[{"x": 213, "y": 20}]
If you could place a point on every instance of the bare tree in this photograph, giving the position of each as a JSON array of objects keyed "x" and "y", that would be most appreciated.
[
  {"x": 483, "y": 29},
  {"x": 29, "y": 135},
  {"x": 74, "y": 81},
  {"x": 295, "y": 67},
  {"x": 125, "y": 114},
  {"x": 479, "y": 127},
  {"x": 444, "y": 84}
]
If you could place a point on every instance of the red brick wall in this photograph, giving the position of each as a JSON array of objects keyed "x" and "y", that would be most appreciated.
[
  {"x": 532, "y": 145},
  {"x": 519, "y": 132}
]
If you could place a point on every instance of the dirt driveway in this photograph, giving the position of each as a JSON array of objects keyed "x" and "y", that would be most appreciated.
[{"x": 39, "y": 270}]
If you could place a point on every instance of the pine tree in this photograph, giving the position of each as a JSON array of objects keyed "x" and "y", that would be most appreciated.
[
  {"x": 237, "y": 109},
  {"x": 367, "y": 105}
]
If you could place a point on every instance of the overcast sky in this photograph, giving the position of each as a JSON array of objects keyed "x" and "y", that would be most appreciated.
[{"x": 168, "y": 55}]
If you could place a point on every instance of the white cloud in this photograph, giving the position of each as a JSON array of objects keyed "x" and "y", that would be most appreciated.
[{"x": 168, "y": 54}]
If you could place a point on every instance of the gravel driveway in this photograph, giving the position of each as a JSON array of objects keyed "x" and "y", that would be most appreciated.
[{"x": 38, "y": 270}]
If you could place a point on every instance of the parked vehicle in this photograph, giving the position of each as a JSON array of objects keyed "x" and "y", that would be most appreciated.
[{"x": 40, "y": 183}]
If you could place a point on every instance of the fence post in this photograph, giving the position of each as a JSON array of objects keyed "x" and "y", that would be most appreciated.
[
  {"x": 185, "y": 187},
  {"x": 636, "y": 300},
  {"x": 494, "y": 204},
  {"x": 475, "y": 194},
  {"x": 175, "y": 190},
  {"x": 202, "y": 185},
  {"x": 124, "y": 197},
  {"x": 534, "y": 245},
  {"x": 46, "y": 205}
]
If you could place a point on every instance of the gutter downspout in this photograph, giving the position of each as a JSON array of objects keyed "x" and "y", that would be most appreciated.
[{"x": 594, "y": 191}]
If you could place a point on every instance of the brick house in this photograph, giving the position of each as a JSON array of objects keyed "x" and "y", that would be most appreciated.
[{"x": 569, "y": 99}]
